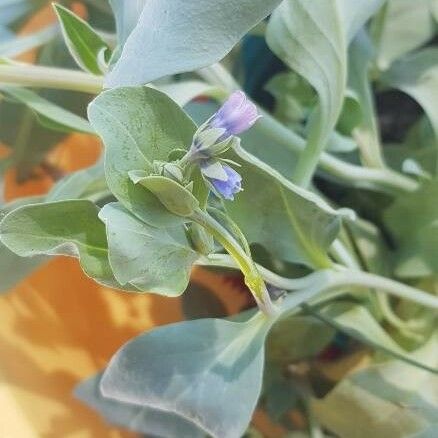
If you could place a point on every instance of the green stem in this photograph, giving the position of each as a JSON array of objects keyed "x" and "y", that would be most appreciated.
[
  {"x": 309, "y": 157},
  {"x": 337, "y": 279},
  {"x": 253, "y": 278},
  {"x": 50, "y": 77},
  {"x": 357, "y": 176}
]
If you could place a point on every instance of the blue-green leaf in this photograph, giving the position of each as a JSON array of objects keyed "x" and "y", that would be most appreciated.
[
  {"x": 69, "y": 228},
  {"x": 142, "y": 419},
  {"x": 174, "y": 36},
  {"x": 209, "y": 371},
  {"x": 138, "y": 126},
  {"x": 156, "y": 260}
]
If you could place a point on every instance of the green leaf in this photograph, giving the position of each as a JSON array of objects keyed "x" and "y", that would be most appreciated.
[
  {"x": 389, "y": 400},
  {"x": 142, "y": 419},
  {"x": 86, "y": 46},
  {"x": 138, "y": 126},
  {"x": 172, "y": 195},
  {"x": 413, "y": 222},
  {"x": 270, "y": 208},
  {"x": 209, "y": 371},
  {"x": 312, "y": 37},
  {"x": 63, "y": 120},
  {"x": 155, "y": 260},
  {"x": 69, "y": 228},
  {"x": 174, "y": 36},
  {"x": 400, "y": 27},
  {"x": 417, "y": 76}
]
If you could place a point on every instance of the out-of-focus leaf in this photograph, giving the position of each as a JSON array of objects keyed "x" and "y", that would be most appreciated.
[
  {"x": 142, "y": 419},
  {"x": 18, "y": 45},
  {"x": 413, "y": 221},
  {"x": 312, "y": 37},
  {"x": 389, "y": 400},
  {"x": 174, "y": 36},
  {"x": 62, "y": 119},
  {"x": 209, "y": 371},
  {"x": 400, "y": 27},
  {"x": 356, "y": 321}
]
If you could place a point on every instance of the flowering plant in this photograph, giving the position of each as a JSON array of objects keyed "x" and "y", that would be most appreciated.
[{"x": 284, "y": 171}]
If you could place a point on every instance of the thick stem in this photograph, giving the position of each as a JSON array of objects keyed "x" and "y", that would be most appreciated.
[
  {"x": 50, "y": 77},
  {"x": 253, "y": 278}
]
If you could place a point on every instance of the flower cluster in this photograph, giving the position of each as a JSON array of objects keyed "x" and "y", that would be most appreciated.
[{"x": 215, "y": 137}]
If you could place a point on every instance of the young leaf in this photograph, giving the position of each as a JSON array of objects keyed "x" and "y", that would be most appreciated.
[
  {"x": 142, "y": 419},
  {"x": 174, "y": 36},
  {"x": 138, "y": 126},
  {"x": 88, "y": 49},
  {"x": 156, "y": 260},
  {"x": 61, "y": 119},
  {"x": 69, "y": 228},
  {"x": 172, "y": 195},
  {"x": 270, "y": 207},
  {"x": 312, "y": 37},
  {"x": 209, "y": 371}
]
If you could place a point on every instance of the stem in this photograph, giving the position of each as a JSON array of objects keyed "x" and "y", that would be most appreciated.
[
  {"x": 253, "y": 278},
  {"x": 333, "y": 279},
  {"x": 50, "y": 77},
  {"x": 357, "y": 176},
  {"x": 310, "y": 155}
]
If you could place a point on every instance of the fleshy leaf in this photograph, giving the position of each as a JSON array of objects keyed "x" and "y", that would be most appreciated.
[
  {"x": 156, "y": 260},
  {"x": 173, "y": 196},
  {"x": 69, "y": 228},
  {"x": 209, "y": 371},
  {"x": 174, "y": 36},
  {"x": 138, "y": 126},
  {"x": 142, "y": 419}
]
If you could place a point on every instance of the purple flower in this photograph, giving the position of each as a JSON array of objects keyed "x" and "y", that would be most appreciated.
[
  {"x": 236, "y": 115},
  {"x": 229, "y": 185}
]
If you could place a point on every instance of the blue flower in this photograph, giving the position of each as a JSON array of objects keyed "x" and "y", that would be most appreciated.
[
  {"x": 235, "y": 116},
  {"x": 226, "y": 183}
]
